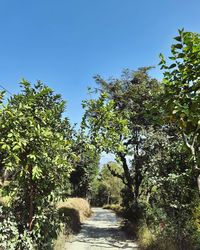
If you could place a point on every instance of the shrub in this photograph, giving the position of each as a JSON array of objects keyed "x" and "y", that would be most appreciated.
[
  {"x": 14, "y": 235},
  {"x": 10, "y": 236}
]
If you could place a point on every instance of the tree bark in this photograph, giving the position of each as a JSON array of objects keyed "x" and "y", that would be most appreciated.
[
  {"x": 126, "y": 171},
  {"x": 31, "y": 190},
  {"x": 196, "y": 168},
  {"x": 191, "y": 146}
]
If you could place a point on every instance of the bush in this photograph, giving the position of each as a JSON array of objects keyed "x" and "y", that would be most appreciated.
[
  {"x": 15, "y": 235},
  {"x": 145, "y": 237},
  {"x": 49, "y": 223},
  {"x": 164, "y": 233},
  {"x": 10, "y": 236}
]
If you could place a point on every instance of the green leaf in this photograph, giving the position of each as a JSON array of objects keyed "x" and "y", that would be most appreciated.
[
  {"x": 174, "y": 111},
  {"x": 178, "y": 38},
  {"x": 16, "y": 147},
  {"x": 37, "y": 172},
  {"x": 181, "y": 55},
  {"x": 178, "y": 46},
  {"x": 4, "y": 146},
  {"x": 10, "y": 135},
  {"x": 172, "y": 66},
  {"x": 32, "y": 157}
]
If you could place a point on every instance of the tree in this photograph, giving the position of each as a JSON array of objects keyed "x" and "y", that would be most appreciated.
[
  {"x": 36, "y": 146},
  {"x": 113, "y": 184},
  {"x": 86, "y": 166},
  {"x": 118, "y": 122},
  {"x": 106, "y": 187},
  {"x": 181, "y": 98}
]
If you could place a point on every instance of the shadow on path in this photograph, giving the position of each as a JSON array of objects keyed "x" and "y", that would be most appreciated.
[{"x": 101, "y": 231}]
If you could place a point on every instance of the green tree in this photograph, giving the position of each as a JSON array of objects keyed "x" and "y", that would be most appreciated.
[
  {"x": 113, "y": 184},
  {"x": 118, "y": 122},
  {"x": 106, "y": 187},
  {"x": 181, "y": 98},
  {"x": 36, "y": 146},
  {"x": 171, "y": 199},
  {"x": 85, "y": 168}
]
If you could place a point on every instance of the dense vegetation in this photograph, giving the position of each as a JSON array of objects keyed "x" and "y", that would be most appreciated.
[
  {"x": 39, "y": 151},
  {"x": 152, "y": 128},
  {"x": 106, "y": 187}
]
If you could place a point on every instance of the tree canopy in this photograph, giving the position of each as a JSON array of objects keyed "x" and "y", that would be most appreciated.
[{"x": 181, "y": 91}]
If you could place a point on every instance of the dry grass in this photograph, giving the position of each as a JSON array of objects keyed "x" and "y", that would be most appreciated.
[
  {"x": 117, "y": 208},
  {"x": 145, "y": 237},
  {"x": 78, "y": 204},
  {"x": 73, "y": 212},
  {"x": 148, "y": 241}
]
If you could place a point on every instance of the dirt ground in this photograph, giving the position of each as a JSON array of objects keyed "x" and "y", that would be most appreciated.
[{"x": 101, "y": 232}]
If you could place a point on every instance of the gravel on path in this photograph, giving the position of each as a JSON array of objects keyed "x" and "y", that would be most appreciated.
[{"x": 101, "y": 232}]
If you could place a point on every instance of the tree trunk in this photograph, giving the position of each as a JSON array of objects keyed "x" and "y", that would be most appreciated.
[
  {"x": 138, "y": 176},
  {"x": 108, "y": 199},
  {"x": 126, "y": 171},
  {"x": 198, "y": 182},
  {"x": 191, "y": 146},
  {"x": 196, "y": 168},
  {"x": 31, "y": 190}
]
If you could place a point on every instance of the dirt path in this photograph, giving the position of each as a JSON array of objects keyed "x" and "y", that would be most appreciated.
[{"x": 101, "y": 232}]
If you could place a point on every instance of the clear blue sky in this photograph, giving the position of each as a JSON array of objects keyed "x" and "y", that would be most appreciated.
[{"x": 64, "y": 43}]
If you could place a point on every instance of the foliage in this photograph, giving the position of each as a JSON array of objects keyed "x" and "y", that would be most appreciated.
[
  {"x": 85, "y": 168},
  {"x": 181, "y": 91},
  {"x": 107, "y": 188},
  {"x": 10, "y": 237},
  {"x": 152, "y": 129},
  {"x": 118, "y": 123},
  {"x": 113, "y": 184},
  {"x": 174, "y": 164},
  {"x": 36, "y": 158},
  {"x": 128, "y": 119}
]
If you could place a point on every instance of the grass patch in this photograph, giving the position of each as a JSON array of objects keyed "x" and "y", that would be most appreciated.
[
  {"x": 145, "y": 238},
  {"x": 70, "y": 217},
  {"x": 72, "y": 213},
  {"x": 117, "y": 208},
  {"x": 79, "y": 204},
  {"x": 162, "y": 240}
]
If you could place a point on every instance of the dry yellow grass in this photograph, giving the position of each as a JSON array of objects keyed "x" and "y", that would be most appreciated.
[
  {"x": 75, "y": 210},
  {"x": 145, "y": 237},
  {"x": 79, "y": 204}
]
